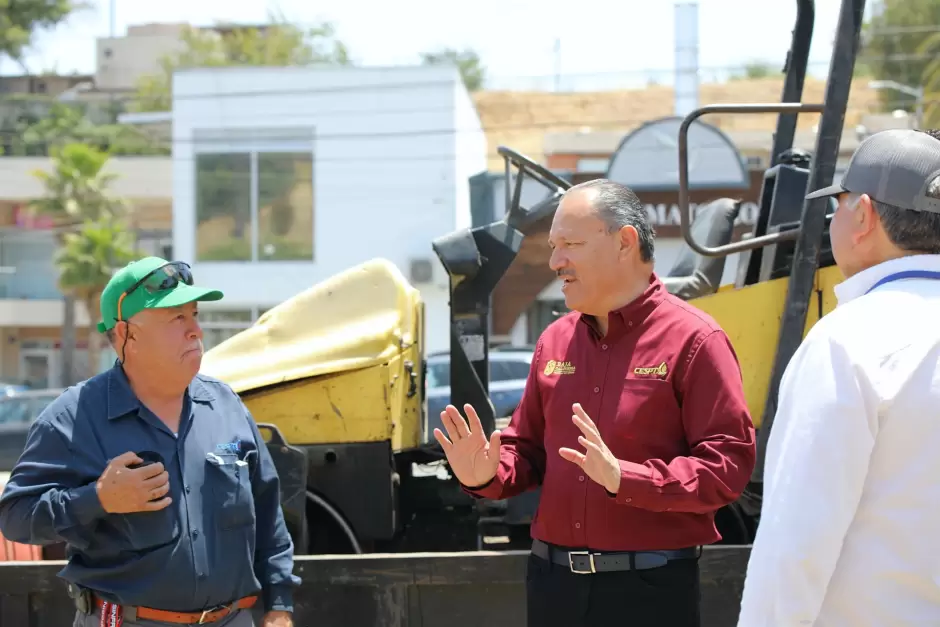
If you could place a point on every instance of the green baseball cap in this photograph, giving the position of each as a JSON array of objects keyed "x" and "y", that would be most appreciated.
[{"x": 152, "y": 283}]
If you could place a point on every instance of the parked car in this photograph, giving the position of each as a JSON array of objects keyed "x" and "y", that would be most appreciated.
[
  {"x": 20, "y": 405},
  {"x": 509, "y": 369}
]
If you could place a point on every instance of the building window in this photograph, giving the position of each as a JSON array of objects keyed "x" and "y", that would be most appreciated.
[
  {"x": 254, "y": 201},
  {"x": 285, "y": 207},
  {"x": 223, "y": 207},
  {"x": 593, "y": 165},
  {"x": 219, "y": 325},
  {"x": 155, "y": 244}
]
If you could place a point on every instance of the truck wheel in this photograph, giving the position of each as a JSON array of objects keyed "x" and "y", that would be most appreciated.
[{"x": 327, "y": 531}]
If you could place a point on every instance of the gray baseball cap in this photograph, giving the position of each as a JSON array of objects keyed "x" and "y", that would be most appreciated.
[{"x": 900, "y": 167}]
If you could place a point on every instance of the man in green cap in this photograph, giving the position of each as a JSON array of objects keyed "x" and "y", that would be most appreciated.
[{"x": 155, "y": 476}]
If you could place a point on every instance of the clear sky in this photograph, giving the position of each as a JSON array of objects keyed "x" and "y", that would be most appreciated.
[{"x": 601, "y": 43}]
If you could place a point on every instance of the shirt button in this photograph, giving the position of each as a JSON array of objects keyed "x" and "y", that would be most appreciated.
[
  {"x": 596, "y": 390},
  {"x": 629, "y": 324},
  {"x": 195, "y": 533},
  {"x": 577, "y": 525},
  {"x": 628, "y": 499},
  {"x": 604, "y": 347},
  {"x": 581, "y": 478},
  {"x": 187, "y": 489}
]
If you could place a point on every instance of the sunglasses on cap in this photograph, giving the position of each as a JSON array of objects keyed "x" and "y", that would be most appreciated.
[{"x": 161, "y": 279}]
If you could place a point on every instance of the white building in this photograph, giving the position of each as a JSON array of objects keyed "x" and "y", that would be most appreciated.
[{"x": 283, "y": 177}]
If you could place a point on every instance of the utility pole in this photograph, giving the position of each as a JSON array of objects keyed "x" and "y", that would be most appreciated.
[{"x": 558, "y": 64}]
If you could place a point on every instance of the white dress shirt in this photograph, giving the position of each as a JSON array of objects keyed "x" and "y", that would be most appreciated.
[{"x": 850, "y": 528}]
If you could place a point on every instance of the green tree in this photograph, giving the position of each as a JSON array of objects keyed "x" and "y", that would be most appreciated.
[
  {"x": 893, "y": 47},
  {"x": 20, "y": 19},
  {"x": 68, "y": 124},
  {"x": 86, "y": 261},
  {"x": 77, "y": 194},
  {"x": 467, "y": 61},
  {"x": 278, "y": 44}
]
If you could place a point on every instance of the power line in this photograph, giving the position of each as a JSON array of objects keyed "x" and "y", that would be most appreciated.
[{"x": 207, "y": 143}]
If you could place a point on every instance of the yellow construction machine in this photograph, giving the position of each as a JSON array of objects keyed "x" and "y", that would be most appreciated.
[{"x": 335, "y": 375}]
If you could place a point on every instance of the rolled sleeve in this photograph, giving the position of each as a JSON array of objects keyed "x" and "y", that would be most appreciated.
[
  {"x": 86, "y": 505},
  {"x": 278, "y": 598},
  {"x": 719, "y": 433}
]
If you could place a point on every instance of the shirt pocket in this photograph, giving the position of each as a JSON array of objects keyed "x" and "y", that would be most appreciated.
[
  {"x": 647, "y": 414},
  {"x": 231, "y": 493},
  {"x": 144, "y": 531}
]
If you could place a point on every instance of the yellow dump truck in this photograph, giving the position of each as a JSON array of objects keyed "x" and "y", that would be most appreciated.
[{"x": 336, "y": 374}]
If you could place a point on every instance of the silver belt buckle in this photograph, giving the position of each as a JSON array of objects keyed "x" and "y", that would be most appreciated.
[
  {"x": 587, "y": 554},
  {"x": 231, "y": 607}
]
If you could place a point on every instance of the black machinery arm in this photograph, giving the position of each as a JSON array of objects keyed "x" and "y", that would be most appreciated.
[{"x": 475, "y": 260}]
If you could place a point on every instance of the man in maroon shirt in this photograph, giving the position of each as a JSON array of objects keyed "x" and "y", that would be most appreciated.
[{"x": 633, "y": 422}]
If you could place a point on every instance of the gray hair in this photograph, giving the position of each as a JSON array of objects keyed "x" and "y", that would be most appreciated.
[
  {"x": 912, "y": 231},
  {"x": 618, "y": 207}
]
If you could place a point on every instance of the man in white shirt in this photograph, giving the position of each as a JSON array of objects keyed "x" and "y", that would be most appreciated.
[{"x": 850, "y": 528}]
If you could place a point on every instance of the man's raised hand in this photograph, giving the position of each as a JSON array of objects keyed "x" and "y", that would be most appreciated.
[{"x": 472, "y": 458}]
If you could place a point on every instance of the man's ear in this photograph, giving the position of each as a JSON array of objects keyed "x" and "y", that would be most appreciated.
[
  {"x": 865, "y": 217},
  {"x": 629, "y": 239},
  {"x": 121, "y": 331}
]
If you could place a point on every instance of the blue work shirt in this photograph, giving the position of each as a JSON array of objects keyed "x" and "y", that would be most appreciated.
[{"x": 222, "y": 538}]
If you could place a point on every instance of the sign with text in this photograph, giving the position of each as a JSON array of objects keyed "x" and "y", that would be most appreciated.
[{"x": 663, "y": 214}]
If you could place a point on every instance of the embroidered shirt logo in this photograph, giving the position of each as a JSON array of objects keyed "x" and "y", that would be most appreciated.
[
  {"x": 558, "y": 367},
  {"x": 659, "y": 370}
]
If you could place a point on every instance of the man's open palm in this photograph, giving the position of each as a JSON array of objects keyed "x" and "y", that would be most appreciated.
[{"x": 472, "y": 458}]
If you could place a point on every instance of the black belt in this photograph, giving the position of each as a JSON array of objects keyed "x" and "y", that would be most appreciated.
[{"x": 587, "y": 562}]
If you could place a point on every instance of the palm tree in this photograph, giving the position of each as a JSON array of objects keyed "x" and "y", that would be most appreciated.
[
  {"x": 77, "y": 190},
  {"x": 86, "y": 262}
]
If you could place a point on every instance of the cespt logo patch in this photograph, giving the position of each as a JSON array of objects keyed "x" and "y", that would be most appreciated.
[{"x": 655, "y": 371}]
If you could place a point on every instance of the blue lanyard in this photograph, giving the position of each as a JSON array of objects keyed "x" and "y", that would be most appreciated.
[{"x": 907, "y": 274}]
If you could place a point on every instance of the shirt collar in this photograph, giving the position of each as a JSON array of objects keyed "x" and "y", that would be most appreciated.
[
  {"x": 858, "y": 284},
  {"x": 122, "y": 400},
  {"x": 634, "y": 312}
]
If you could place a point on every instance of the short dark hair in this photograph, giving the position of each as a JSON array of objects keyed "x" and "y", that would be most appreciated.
[
  {"x": 912, "y": 231},
  {"x": 618, "y": 207},
  {"x": 110, "y": 335}
]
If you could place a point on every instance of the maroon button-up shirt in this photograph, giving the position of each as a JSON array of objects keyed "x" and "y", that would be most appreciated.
[{"x": 664, "y": 389}]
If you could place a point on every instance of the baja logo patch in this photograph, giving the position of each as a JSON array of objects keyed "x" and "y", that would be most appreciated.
[{"x": 558, "y": 367}]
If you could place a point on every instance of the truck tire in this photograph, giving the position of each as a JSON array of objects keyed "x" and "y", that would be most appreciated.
[{"x": 327, "y": 531}]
